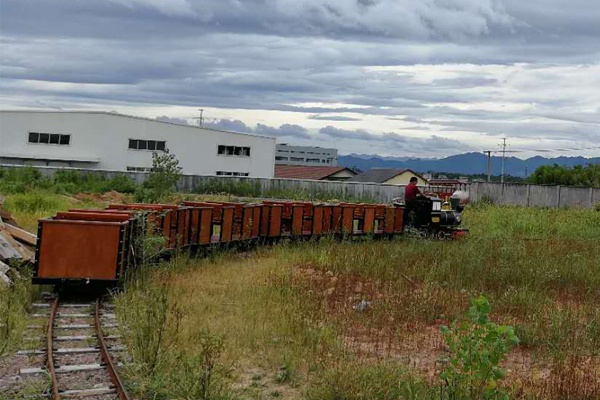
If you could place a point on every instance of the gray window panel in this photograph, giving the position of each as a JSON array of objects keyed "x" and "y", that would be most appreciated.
[
  {"x": 54, "y": 138},
  {"x": 65, "y": 140},
  {"x": 44, "y": 138},
  {"x": 142, "y": 144},
  {"x": 161, "y": 145},
  {"x": 151, "y": 144},
  {"x": 34, "y": 137}
]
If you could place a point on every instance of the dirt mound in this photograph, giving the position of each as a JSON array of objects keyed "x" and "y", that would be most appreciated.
[{"x": 111, "y": 197}]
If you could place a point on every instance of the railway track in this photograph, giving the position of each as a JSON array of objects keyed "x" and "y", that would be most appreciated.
[{"x": 78, "y": 353}]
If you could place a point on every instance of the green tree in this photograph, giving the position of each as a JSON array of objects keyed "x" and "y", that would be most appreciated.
[
  {"x": 579, "y": 175},
  {"x": 164, "y": 175}
]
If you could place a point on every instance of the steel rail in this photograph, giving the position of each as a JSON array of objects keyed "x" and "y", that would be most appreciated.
[
  {"x": 50, "y": 349},
  {"x": 110, "y": 365}
]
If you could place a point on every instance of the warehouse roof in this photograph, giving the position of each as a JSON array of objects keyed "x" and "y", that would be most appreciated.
[
  {"x": 306, "y": 172},
  {"x": 116, "y": 114},
  {"x": 381, "y": 175}
]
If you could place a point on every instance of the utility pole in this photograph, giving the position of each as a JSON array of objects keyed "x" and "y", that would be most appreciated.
[
  {"x": 503, "y": 159},
  {"x": 489, "y": 164},
  {"x": 200, "y": 118}
]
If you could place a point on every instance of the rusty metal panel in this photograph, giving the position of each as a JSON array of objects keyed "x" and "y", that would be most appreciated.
[
  {"x": 307, "y": 225},
  {"x": 359, "y": 210},
  {"x": 317, "y": 222},
  {"x": 92, "y": 216},
  {"x": 264, "y": 220},
  {"x": 369, "y": 219},
  {"x": 297, "y": 219},
  {"x": 80, "y": 249},
  {"x": 247, "y": 222},
  {"x": 398, "y": 223},
  {"x": 206, "y": 224},
  {"x": 336, "y": 219},
  {"x": 194, "y": 226},
  {"x": 180, "y": 235},
  {"x": 227, "y": 224},
  {"x": 390, "y": 216},
  {"x": 327, "y": 211},
  {"x": 275, "y": 216},
  {"x": 347, "y": 219},
  {"x": 256, "y": 219}
]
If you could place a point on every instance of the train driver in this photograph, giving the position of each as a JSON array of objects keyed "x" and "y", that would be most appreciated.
[{"x": 411, "y": 193}]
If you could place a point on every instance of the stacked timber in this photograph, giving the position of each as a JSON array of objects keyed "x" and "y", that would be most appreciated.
[{"x": 16, "y": 244}]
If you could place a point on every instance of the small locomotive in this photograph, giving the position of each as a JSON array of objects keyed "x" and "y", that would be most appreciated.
[{"x": 429, "y": 216}]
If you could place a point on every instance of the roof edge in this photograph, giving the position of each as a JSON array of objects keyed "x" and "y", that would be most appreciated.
[{"x": 134, "y": 117}]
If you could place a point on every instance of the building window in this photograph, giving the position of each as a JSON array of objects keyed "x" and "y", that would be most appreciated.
[
  {"x": 138, "y": 169},
  {"x": 279, "y": 158},
  {"x": 313, "y": 160},
  {"x": 49, "y": 138},
  {"x": 223, "y": 150},
  {"x": 297, "y": 159},
  {"x": 152, "y": 145},
  {"x": 228, "y": 173}
]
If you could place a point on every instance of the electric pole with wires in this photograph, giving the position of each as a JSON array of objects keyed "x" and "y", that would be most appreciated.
[
  {"x": 503, "y": 158},
  {"x": 201, "y": 117},
  {"x": 489, "y": 164}
]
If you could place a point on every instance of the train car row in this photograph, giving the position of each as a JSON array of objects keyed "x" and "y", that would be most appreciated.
[{"x": 99, "y": 245}]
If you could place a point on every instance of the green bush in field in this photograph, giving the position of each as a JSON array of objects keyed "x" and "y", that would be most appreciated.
[
  {"x": 161, "y": 182},
  {"x": 477, "y": 346}
]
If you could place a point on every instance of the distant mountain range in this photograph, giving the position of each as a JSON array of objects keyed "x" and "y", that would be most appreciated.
[{"x": 468, "y": 163}]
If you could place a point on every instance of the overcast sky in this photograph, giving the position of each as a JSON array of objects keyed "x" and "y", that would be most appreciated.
[{"x": 424, "y": 78}]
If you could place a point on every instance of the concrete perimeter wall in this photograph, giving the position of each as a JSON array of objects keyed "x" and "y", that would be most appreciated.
[
  {"x": 190, "y": 183},
  {"x": 553, "y": 196}
]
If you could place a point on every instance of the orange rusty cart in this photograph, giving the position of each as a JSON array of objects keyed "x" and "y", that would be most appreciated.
[{"x": 77, "y": 250}]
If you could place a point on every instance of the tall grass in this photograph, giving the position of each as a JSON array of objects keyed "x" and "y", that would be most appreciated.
[
  {"x": 28, "y": 208},
  {"x": 27, "y": 179},
  {"x": 15, "y": 302},
  {"x": 295, "y": 308}
]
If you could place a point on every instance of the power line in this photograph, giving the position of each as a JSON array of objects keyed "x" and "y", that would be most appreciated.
[{"x": 545, "y": 150}]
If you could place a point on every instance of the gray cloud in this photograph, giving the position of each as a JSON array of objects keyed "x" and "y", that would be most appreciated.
[
  {"x": 401, "y": 142},
  {"x": 333, "y": 118},
  {"x": 285, "y": 130},
  {"x": 528, "y": 69}
]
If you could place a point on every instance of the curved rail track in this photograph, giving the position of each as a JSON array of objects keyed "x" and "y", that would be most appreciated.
[{"x": 64, "y": 371}]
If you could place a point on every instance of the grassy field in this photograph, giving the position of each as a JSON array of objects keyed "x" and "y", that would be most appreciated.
[
  {"x": 289, "y": 324},
  {"x": 363, "y": 320}
]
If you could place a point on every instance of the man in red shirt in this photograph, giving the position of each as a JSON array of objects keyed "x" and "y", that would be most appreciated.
[{"x": 412, "y": 191}]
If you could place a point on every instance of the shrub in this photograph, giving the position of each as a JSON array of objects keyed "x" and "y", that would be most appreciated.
[
  {"x": 477, "y": 347},
  {"x": 163, "y": 177}
]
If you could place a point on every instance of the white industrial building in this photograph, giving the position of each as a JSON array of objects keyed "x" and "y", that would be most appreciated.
[
  {"x": 305, "y": 155},
  {"x": 117, "y": 142}
]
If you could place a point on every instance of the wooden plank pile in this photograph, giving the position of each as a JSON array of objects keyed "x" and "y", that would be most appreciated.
[{"x": 16, "y": 244}]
